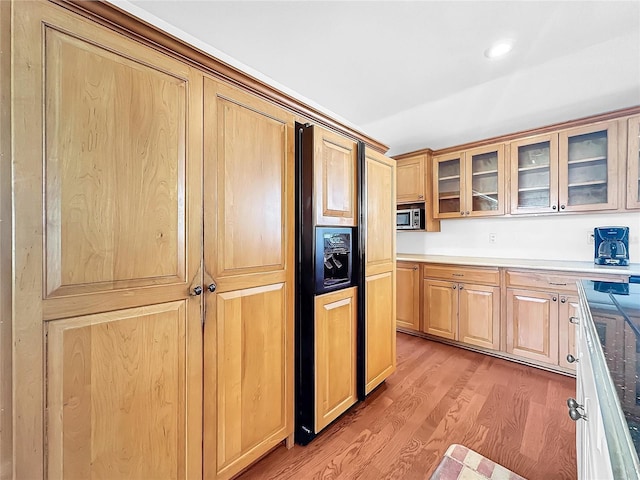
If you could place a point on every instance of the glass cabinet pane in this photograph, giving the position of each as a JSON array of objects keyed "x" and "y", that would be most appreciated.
[
  {"x": 587, "y": 169},
  {"x": 448, "y": 176},
  {"x": 484, "y": 182},
  {"x": 534, "y": 172}
]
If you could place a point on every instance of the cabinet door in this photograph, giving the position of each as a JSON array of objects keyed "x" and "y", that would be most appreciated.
[
  {"x": 448, "y": 185},
  {"x": 479, "y": 321},
  {"x": 532, "y": 325},
  {"x": 411, "y": 180},
  {"x": 335, "y": 178},
  {"x": 335, "y": 326},
  {"x": 107, "y": 158},
  {"x": 567, "y": 331},
  {"x": 380, "y": 268},
  {"x": 633, "y": 163},
  {"x": 485, "y": 181},
  {"x": 588, "y": 168},
  {"x": 534, "y": 174},
  {"x": 408, "y": 296},
  {"x": 441, "y": 308},
  {"x": 119, "y": 393},
  {"x": 248, "y": 258}
]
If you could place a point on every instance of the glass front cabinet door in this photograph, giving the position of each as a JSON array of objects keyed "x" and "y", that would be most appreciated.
[
  {"x": 469, "y": 183},
  {"x": 633, "y": 163}
]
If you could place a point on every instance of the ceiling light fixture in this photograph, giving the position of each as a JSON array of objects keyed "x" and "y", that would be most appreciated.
[{"x": 499, "y": 49}]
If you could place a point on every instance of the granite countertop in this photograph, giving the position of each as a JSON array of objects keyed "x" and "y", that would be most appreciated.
[{"x": 557, "y": 265}]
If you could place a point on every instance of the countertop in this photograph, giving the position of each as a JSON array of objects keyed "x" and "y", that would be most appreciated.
[
  {"x": 615, "y": 315},
  {"x": 558, "y": 265}
]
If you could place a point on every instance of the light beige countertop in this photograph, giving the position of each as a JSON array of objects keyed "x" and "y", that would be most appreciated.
[{"x": 558, "y": 265}]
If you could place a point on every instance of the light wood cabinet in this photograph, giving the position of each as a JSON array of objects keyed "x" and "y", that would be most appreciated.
[
  {"x": 633, "y": 162},
  {"x": 107, "y": 199},
  {"x": 248, "y": 329},
  {"x": 335, "y": 178},
  {"x": 465, "y": 312},
  {"x": 380, "y": 268},
  {"x": 335, "y": 355},
  {"x": 408, "y": 296},
  {"x": 469, "y": 183},
  {"x": 411, "y": 180},
  {"x": 567, "y": 171}
]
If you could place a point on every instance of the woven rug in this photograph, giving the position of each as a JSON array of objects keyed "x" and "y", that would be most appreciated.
[{"x": 462, "y": 463}]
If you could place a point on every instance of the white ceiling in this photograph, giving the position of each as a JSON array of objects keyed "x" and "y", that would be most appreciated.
[{"x": 412, "y": 74}]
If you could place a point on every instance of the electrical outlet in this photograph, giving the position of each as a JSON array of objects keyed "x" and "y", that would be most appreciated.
[
  {"x": 492, "y": 238},
  {"x": 590, "y": 237}
]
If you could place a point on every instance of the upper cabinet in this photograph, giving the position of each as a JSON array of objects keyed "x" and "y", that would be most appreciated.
[
  {"x": 411, "y": 184},
  {"x": 469, "y": 183},
  {"x": 335, "y": 178},
  {"x": 572, "y": 170},
  {"x": 633, "y": 162}
]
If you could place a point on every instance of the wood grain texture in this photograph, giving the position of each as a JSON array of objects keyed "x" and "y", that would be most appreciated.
[
  {"x": 489, "y": 276},
  {"x": 440, "y": 308},
  {"x": 439, "y": 395},
  {"x": 335, "y": 355},
  {"x": 633, "y": 162},
  {"x": 408, "y": 287},
  {"x": 6, "y": 247},
  {"x": 335, "y": 178},
  {"x": 411, "y": 180},
  {"x": 479, "y": 315}
]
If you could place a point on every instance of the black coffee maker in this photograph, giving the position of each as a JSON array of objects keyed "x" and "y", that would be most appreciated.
[{"x": 611, "y": 245}]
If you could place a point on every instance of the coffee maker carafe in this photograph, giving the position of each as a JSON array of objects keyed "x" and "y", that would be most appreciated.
[{"x": 611, "y": 245}]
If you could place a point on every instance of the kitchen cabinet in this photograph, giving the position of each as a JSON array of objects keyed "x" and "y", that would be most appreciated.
[
  {"x": 107, "y": 198},
  {"x": 248, "y": 278},
  {"x": 633, "y": 162},
  {"x": 411, "y": 180},
  {"x": 457, "y": 308},
  {"x": 335, "y": 178},
  {"x": 567, "y": 312},
  {"x": 469, "y": 183},
  {"x": 566, "y": 171},
  {"x": 380, "y": 268},
  {"x": 335, "y": 355},
  {"x": 408, "y": 293}
]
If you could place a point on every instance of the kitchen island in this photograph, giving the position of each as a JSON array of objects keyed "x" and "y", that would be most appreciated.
[{"x": 607, "y": 404}]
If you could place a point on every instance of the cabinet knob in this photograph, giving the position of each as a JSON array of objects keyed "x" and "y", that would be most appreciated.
[
  {"x": 553, "y": 207},
  {"x": 571, "y": 359},
  {"x": 575, "y": 415},
  {"x": 555, "y": 299},
  {"x": 462, "y": 213},
  {"x": 461, "y": 287},
  {"x": 563, "y": 300},
  {"x": 572, "y": 403},
  {"x": 212, "y": 287},
  {"x": 420, "y": 196},
  {"x": 466, "y": 213},
  {"x": 415, "y": 267},
  {"x": 197, "y": 290},
  {"x": 561, "y": 207},
  {"x": 574, "y": 320},
  {"x": 454, "y": 287}
]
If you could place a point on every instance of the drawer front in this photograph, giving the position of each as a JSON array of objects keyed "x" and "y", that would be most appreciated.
[
  {"x": 489, "y": 276},
  {"x": 556, "y": 282}
]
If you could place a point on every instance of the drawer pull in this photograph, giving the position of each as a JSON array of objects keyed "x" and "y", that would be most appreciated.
[
  {"x": 574, "y": 320},
  {"x": 560, "y": 284},
  {"x": 571, "y": 359},
  {"x": 458, "y": 274}
]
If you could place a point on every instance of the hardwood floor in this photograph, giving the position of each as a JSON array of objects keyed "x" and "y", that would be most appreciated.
[{"x": 439, "y": 395}]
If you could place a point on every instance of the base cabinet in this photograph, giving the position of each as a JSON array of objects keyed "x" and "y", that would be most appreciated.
[
  {"x": 408, "y": 292},
  {"x": 335, "y": 357}
]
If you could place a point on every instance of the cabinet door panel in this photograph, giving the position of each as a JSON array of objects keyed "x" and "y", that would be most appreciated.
[
  {"x": 380, "y": 329},
  {"x": 449, "y": 185},
  {"x": 411, "y": 180},
  {"x": 532, "y": 325},
  {"x": 335, "y": 326},
  {"x": 120, "y": 392},
  {"x": 248, "y": 256},
  {"x": 485, "y": 181},
  {"x": 479, "y": 315},
  {"x": 441, "y": 309},
  {"x": 408, "y": 295},
  {"x": 633, "y": 163},
  {"x": 335, "y": 178}
]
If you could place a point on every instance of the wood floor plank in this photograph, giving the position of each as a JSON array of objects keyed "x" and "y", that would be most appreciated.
[{"x": 439, "y": 395}]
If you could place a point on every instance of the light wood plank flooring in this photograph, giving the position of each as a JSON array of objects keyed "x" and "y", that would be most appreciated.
[{"x": 510, "y": 413}]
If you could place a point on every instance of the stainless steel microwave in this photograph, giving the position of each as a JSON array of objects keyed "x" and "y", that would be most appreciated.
[{"x": 410, "y": 219}]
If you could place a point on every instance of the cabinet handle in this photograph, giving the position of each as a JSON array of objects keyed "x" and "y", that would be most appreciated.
[
  {"x": 559, "y": 284},
  {"x": 212, "y": 287},
  {"x": 563, "y": 300},
  {"x": 571, "y": 359},
  {"x": 466, "y": 213},
  {"x": 420, "y": 196},
  {"x": 572, "y": 403},
  {"x": 555, "y": 299},
  {"x": 461, "y": 287},
  {"x": 554, "y": 207},
  {"x": 415, "y": 267},
  {"x": 454, "y": 287},
  {"x": 457, "y": 274},
  {"x": 575, "y": 415},
  {"x": 574, "y": 320},
  {"x": 561, "y": 207},
  {"x": 197, "y": 290},
  {"x": 462, "y": 213}
]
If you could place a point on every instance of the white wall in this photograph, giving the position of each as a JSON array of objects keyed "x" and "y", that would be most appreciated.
[{"x": 551, "y": 237}]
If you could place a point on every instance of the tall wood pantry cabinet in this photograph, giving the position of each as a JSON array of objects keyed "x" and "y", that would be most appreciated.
[{"x": 123, "y": 255}]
